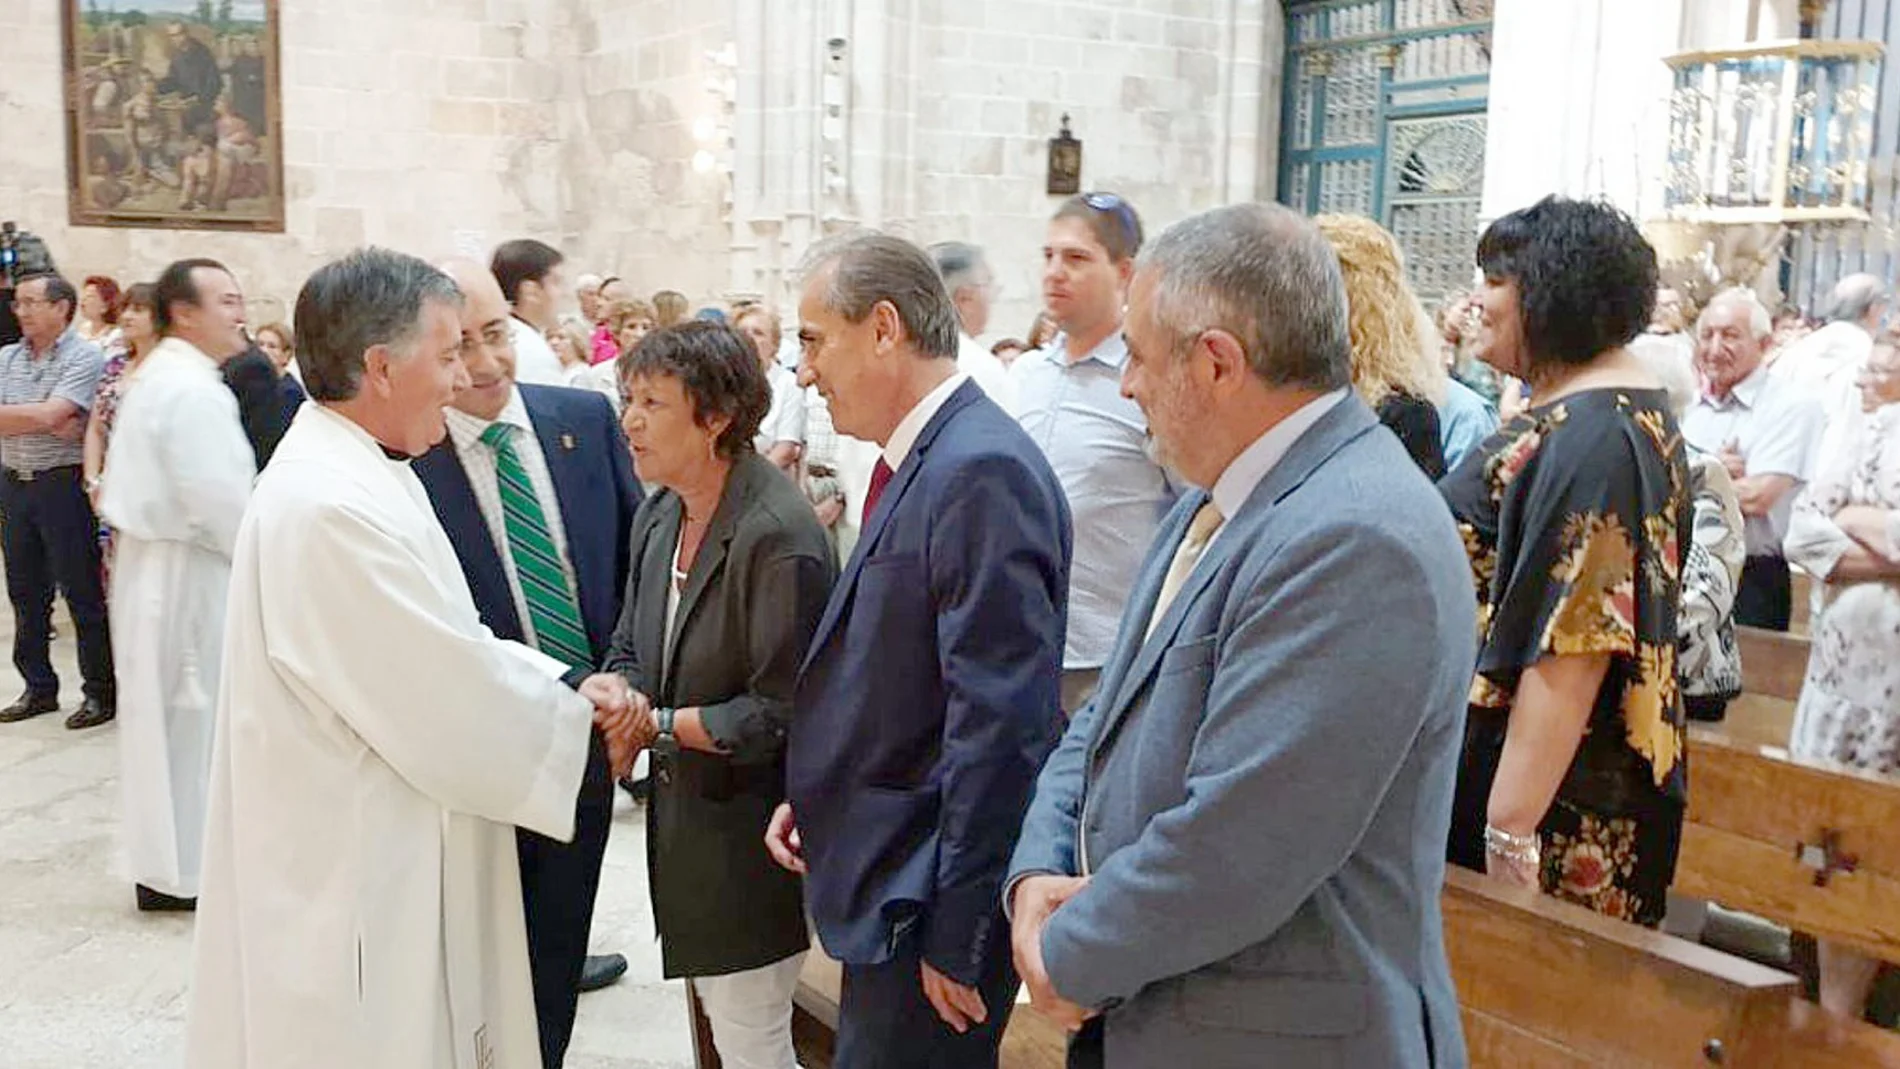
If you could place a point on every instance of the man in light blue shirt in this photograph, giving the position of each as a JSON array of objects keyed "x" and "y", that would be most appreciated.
[
  {"x": 1068, "y": 397},
  {"x": 1465, "y": 420}
]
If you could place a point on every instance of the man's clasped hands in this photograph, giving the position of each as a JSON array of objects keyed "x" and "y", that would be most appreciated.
[{"x": 623, "y": 715}]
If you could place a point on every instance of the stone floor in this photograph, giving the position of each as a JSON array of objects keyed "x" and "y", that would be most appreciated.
[{"x": 88, "y": 981}]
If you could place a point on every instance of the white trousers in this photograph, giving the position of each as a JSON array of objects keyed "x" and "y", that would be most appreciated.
[{"x": 751, "y": 1014}]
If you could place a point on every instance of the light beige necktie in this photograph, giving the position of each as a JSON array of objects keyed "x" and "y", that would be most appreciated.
[{"x": 1199, "y": 533}]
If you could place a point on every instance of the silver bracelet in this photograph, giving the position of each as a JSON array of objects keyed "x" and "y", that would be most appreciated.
[{"x": 1519, "y": 849}]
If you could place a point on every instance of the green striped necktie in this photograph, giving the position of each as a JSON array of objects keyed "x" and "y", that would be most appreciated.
[{"x": 553, "y": 612}]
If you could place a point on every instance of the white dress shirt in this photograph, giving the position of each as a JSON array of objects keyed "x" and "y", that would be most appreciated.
[
  {"x": 535, "y": 362},
  {"x": 1245, "y": 472},
  {"x": 897, "y": 450},
  {"x": 478, "y": 460},
  {"x": 1776, "y": 424}
]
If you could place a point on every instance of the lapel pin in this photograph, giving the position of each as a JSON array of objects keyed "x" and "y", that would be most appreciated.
[{"x": 567, "y": 442}]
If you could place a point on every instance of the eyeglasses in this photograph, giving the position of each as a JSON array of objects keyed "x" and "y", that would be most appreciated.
[
  {"x": 1124, "y": 213},
  {"x": 32, "y": 302}
]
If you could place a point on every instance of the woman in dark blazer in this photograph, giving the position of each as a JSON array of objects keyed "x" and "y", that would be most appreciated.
[{"x": 730, "y": 576}]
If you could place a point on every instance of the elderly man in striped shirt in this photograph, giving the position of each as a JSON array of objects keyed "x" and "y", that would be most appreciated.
[{"x": 47, "y": 528}]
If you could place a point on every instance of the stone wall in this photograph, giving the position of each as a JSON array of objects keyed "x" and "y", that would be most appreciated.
[
  {"x": 456, "y": 124},
  {"x": 951, "y": 104},
  {"x": 405, "y": 125}
]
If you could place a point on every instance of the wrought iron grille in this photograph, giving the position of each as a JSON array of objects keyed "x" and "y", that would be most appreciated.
[{"x": 1384, "y": 116}]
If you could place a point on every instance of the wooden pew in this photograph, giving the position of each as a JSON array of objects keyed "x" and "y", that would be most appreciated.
[
  {"x": 1542, "y": 984},
  {"x": 1774, "y": 667},
  {"x": 1802, "y": 585},
  {"x": 1811, "y": 846}
]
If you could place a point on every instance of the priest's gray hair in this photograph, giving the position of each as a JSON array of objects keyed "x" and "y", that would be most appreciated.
[
  {"x": 1759, "y": 320},
  {"x": 868, "y": 267},
  {"x": 1854, "y": 297},
  {"x": 347, "y": 307},
  {"x": 1264, "y": 274}
]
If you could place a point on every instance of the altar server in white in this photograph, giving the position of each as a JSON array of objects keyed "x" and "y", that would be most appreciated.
[
  {"x": 376, "y": 745},
  {"x": 183, "y": 475}
]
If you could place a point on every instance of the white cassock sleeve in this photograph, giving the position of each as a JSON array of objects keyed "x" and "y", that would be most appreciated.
[
  {"x": 213, "y": 468},
  {"x": 358, "y": 623}
]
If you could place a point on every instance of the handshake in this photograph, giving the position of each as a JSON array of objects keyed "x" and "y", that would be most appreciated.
[{"x": 623, "y": 715}]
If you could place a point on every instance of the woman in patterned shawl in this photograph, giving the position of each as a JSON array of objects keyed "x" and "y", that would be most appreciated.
[{"x": 1575, "y": 514}]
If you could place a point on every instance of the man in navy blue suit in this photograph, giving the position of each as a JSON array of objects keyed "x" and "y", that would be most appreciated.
[
  {"x": 535, "y": 488},
  {"x": 930, "y": 695}
]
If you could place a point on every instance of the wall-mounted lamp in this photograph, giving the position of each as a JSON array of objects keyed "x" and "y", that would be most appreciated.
[{"x": 1065, "y": 163}]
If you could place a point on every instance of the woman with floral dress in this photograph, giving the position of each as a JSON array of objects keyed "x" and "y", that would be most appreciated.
[
  {"x": 1846, "y": 531},
  {"x": 138, "y": 335},
  {"x": 1574, "y": 514}
]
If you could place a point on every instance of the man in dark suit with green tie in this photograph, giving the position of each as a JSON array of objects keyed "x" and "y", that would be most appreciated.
[{"x": 535, "y": 488}]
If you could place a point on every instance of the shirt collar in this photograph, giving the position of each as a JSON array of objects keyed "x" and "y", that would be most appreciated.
[
  {"x": 1111, "y": 353},
  {"x": 1746, "y": 393},
  {"x": 66, "y": 337},
  {"x": 466, "y": 430},
  {"x": 897, "y": 450},
  {"x": 1246, "y": 471}
]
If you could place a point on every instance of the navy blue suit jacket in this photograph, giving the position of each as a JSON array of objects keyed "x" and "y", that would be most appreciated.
[
  {"x": 593, "y": 481},
  {"x": 930, "y": 696}
]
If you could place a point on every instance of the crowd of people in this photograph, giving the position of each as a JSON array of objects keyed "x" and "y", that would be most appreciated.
[{"x": 1148, "y": 662}]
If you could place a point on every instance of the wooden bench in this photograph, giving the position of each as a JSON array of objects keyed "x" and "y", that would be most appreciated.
[
  {"x": 1774, "y": 666},
  {"x": 1811, "y": 846},
  {"x": 1541, "y": 983},
  {"x": 1802, "y": 585}
]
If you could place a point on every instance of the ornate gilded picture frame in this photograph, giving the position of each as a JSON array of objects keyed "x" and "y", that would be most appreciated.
[{"x": 172, "y": 114}]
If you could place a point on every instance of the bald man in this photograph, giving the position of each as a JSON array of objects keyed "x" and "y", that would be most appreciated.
[{"x": 524, "y": 466}]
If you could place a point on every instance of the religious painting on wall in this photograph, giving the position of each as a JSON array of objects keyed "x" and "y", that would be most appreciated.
[{"x": 172, "y": 116}]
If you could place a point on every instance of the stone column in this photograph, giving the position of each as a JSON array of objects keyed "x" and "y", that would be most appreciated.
[{"x": 1579, "y": 99}]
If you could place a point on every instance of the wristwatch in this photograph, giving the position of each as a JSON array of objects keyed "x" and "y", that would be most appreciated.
[{"x": 666, "y": 745}]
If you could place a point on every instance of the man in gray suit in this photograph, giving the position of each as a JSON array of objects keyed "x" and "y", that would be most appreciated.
[{"x": 1234, "y": 857}]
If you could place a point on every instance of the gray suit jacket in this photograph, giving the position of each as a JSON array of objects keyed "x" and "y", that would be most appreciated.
[{"x": 1262, "y": 786}]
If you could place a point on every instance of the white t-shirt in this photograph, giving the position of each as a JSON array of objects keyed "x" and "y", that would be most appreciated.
[{"x": 785, "y": 421}]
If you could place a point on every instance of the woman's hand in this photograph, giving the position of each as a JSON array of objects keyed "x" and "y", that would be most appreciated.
[
  {"x": 830, "y": 511},
  {"x": 1522, "y": 872}
]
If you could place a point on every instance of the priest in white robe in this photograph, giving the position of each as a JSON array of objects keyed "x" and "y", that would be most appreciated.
[
  {"x": 376, "y": 745},
  {"x": 180, "y": 472}
]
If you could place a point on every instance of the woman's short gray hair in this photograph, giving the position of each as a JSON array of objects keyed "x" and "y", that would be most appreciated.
[
  {"x": 869, "y": 267},
  {"x": 368, "y": 298},
  {"x": 1264, "y": 274}
]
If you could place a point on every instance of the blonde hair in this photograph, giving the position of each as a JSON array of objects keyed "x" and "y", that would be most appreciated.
[
  {"x": 622, "y": 313},
  {"x": 1394, "y": 348},
  {"x": 670, "y": 307},
  {"x": 759, "y": 311},
  {"x": 575, "y": 335}
]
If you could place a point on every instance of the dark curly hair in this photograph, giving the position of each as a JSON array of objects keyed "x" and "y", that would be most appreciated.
[
  {"x": 1586, "y": 278},
  {"x": 719, "y": 370}
]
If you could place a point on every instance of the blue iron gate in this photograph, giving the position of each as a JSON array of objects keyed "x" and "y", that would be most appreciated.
[{"x": 1384, "y": 115}]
